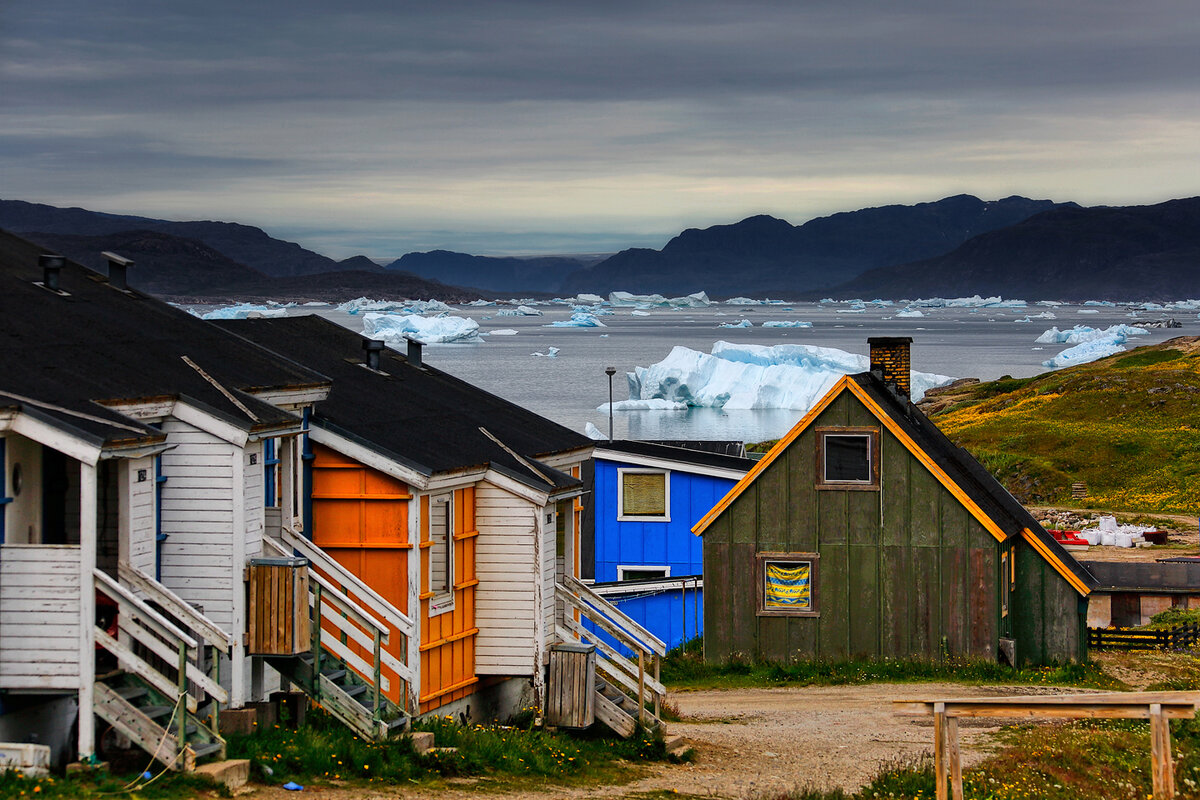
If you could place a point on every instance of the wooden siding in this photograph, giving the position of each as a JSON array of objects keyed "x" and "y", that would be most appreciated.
[
  {"x": 1049, "y": 618},
  {"x": 903, "y": 571},
  {"x": 40, "y": 617},
  {"x": 551, "y": 565},
  {"x": 140, "y": 499},
  {"x": 448, "y": 638},
  {"x": 505, "y": 601},
  {"x": 255, "y": 501},
  {"x": 360, "y": 518},
  {"x": 197, "y": 516}
]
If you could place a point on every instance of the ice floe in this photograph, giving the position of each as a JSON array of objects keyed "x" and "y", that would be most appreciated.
[
  {"x": 519, "y": 311},
  {"x": 742, "y": 376},
  {"x": 1090, "y": 344},
  {"x": 909, "y": 313},
  {"x": 580, "y": 319},
  {"x": 745, "y": 323},
  {"x": 245, "y": 311},
  {"x": 427, "y": 330},
  {"x": 502, "y": 332},
  {"x": 551, "y": 352},
  {"x": 696, "y": 300},
  {"x": 653, "y": 404},
  {"x": 365, "y": 304},
  {"x": 786, "y": 323},
  {"x": 974, "y": 301}
]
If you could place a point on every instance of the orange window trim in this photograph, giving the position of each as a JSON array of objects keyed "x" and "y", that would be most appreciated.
[
  {"x": 454, "y": 637},
  {"x": 426, "y": 595}
]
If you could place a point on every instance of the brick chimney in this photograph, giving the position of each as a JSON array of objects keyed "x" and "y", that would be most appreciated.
[{"x": 890, "y": 359}]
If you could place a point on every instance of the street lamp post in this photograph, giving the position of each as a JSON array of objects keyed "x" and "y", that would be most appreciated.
[{"x": 610, "y": 371}]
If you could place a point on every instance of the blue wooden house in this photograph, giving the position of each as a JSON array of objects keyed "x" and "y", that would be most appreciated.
[{"x": 645, "y": 498}]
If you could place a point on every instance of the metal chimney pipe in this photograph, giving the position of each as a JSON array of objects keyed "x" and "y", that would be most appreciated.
[
  {"x": 117, "y": 266},
  {"x": 51, "y": 267},
  {"x": 373, "y": 347},
  {"x": 414, "y": 352}
]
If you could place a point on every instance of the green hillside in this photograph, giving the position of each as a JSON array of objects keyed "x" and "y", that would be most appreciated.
[{"x": 1128, "y": 426}]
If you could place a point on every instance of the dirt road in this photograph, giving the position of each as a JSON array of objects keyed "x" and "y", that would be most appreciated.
[{"x": 752, "y": 741}]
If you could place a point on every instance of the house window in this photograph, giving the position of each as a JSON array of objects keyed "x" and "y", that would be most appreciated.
[
  {"x": 644, "y": 494},
  {"x": 441, "y": 554},
  {"x": 787, "y": 584},
  {"x": 270, "y": 473},
  {"x": 641, "y": 572},
  {"x": 848, "y": 458}
]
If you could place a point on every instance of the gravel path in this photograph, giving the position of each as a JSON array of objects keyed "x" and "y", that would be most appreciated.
[{"x": 754, "y": 741}]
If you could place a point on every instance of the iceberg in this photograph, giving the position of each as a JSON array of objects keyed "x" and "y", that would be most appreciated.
[
  {"x": 592, "y": 432},
  {"x": 1105, "y": 303},
  {"x": 580, "y": 319},
  {"x": 654, "y": 404},
  {"x": 519, "y": 311},
  {"x": 427, "y": 330},
  {"x": 315, "y": 304},
  {"x": 364, "y": 304},
  {"x": 502, "y": 332},
  {"x": 589, "y": 299},
  {"x": 245, "y": 311},
  {"x": 1088, "y": 311},
  {"x": 974, "y": 301},
  {"x": 743, "y": 376},
  {"x": 696, "y": 300},
  {"x": 1090, "y": 344},
  {"x": 742, "y": 324},
  {"x": 785, "y": 323},
  {"x": 551, "y": 352},
  {"x": 909, "y": 313},
  {"x": 743, "y": 301}
]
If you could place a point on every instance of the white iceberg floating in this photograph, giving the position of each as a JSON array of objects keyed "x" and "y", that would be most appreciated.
[
  {"x": 1088, "y": 311},
  {"x": 743, "y": 301},
  {"x": 502, "y": 332},
  {"x": 1090, "y": 344},
  {"x": 909, "y": 313},
  {"x": 745, "y": 323},
  {"x": 739, "y": 377},
  {"x": 365, "y": 304},
  {"x": 427, "y": 330},
  {"x": 654, "y": 404},
  {"x": 785, "y": 323},
  {"x": 1083, "y": 333},
  {"x": 1105, "y": 303},
  {"x": 592, "y": 432},
  {"x": 636, "y": 313},
  {"x": 580, "y": 319},
  {"x": 551, "y": 352},
  {"x": 315, "y": 304},
  {"x": 696, "y": 300},
  {"x": 246, "y": 311},
  {"x": 519, "y": 311},
  {"x": 974, "y": 301},
  {"x": 590, "y": 299}
]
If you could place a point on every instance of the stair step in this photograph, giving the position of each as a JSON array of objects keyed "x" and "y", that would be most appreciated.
[
  {"x": 157, "y": 712},
  {"x": 398, "y": 724},
  {"x": 355, "y": 689},
  {"x": 334, "y": 675},
  {"x": 131, "y": 693},
  {"x": 206, "y": 749}
]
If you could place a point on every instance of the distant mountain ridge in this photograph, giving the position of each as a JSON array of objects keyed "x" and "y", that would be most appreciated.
[
  {"x": 1068, "y": 253},
  {"x": 766, "y": 255},
  {"x": 498, "y": 274},
  {"x": 244, "y": 244}
]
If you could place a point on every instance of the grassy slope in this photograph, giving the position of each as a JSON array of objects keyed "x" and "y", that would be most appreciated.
[{"x": 1127, "y": 425}]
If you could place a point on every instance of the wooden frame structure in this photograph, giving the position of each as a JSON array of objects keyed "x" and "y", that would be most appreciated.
[{"x": 1157, "y": 707}]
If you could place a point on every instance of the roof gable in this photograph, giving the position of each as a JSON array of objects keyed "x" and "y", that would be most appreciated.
[{"x": 955, "y": 469}]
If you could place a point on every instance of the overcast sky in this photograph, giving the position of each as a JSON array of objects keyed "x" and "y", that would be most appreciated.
[{"x": 384, "y": 126}]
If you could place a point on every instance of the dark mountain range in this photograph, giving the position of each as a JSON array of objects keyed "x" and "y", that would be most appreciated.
[
  {"x": 765, "y": 255},
  {"x": 338, "y": 287},
  {"x": 242, "y": 243},
  {"x": 499, "y": 274},
  {"x": 163, "y": 264},
  {"x": 358, "y": 264},
  {"x": 1118, "y": 253}
]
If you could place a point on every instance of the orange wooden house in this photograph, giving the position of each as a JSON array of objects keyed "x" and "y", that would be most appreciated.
[{"x": 458, "y": 509}]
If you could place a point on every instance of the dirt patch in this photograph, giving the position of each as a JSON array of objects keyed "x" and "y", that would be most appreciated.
[{"x": 753, "y": 741}]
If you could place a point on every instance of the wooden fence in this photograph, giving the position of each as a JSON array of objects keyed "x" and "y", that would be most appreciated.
[{"x": 1177, "y": 638}]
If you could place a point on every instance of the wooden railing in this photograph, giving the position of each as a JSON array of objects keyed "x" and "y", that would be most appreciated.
[
  {"x": 1178, "y": 638},
  {"x": 640, "y": 679},
  {"x": 1157, "y": 707},
  {"x": 351, "y": 612}
]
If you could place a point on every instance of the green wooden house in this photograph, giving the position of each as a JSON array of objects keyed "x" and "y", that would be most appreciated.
[{"x": 866, "y": 533}]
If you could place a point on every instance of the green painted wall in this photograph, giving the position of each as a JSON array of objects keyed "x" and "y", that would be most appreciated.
[{"x": 904, "y": 571}]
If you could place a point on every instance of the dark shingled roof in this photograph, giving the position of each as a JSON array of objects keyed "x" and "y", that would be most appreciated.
[
  {"x": 672, "y": 452},
  {"x": 421, "y": 417},
  {"x": 962, "y": 468},
  {"x": 66, "y": 356}
]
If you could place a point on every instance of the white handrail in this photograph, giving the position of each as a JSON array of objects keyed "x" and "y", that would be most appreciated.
[
  {"x": 649, "y": 642},
  {"x": 208, "y": 630},
  {"x": 369, "y": 597},
  {"x": 162, "y": 625}
]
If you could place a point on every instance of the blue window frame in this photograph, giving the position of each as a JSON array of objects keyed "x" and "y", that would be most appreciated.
[
  {"x": 270, "y": 473},
  {"x": 160, "y": 481},
  {"x": 4, "y": 498}
]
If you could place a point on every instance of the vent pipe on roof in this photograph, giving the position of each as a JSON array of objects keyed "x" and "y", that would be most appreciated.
[
  {"x": 51, "y": 267},
  {"x": 373, "y": 347},
  {"x": 117, "y": 267},
  {"x": 414, "y": 352},
  {"x": 890, "y": 358}
]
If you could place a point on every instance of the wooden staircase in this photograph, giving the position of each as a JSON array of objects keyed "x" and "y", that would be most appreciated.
[
  {"x": 159, "y": 697},
  {"x": 347, "y": 670},
  {"x": 627, "y": 692}
]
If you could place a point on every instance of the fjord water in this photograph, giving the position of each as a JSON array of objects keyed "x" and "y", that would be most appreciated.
[{"x": 983, "y": 343}]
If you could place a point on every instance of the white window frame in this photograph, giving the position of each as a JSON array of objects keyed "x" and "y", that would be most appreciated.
[
  {"x": 443, "y": 601},
  {"x": 621, "y": 568},
  {"x": 621, "y": 515}
]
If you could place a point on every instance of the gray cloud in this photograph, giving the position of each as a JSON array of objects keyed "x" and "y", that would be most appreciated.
[{"x": 502, "y": 117}]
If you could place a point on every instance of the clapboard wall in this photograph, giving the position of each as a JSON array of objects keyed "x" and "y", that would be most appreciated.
[
  {"x": 506, "y": 611},
  {"x": 39, "y": 617}
]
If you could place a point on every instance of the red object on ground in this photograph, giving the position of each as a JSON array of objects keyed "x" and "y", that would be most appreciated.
[{"x": 1067, "y": 537}]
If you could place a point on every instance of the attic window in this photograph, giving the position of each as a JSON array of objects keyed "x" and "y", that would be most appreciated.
[
  {"x": 643, "y": 495},
  {"x": 848, "y": 458},
  {"x": 787, "y": 585}
]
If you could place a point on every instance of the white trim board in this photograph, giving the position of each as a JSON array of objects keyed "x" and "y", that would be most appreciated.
[
  {"x": 622, "y": 516},
  {"x": 601, "y": 454}
]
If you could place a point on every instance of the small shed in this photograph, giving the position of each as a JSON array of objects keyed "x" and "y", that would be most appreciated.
[{"x": 866, "y": 533}]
